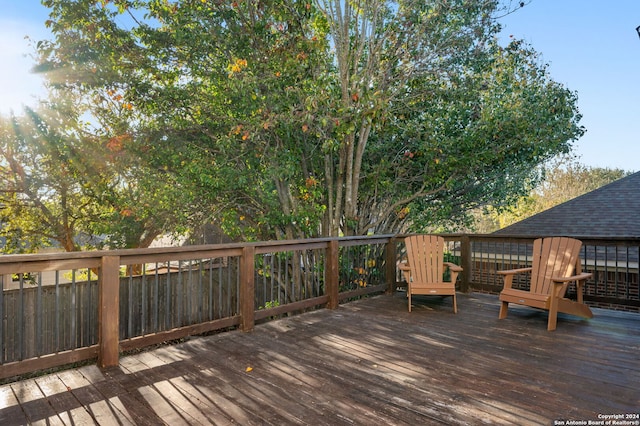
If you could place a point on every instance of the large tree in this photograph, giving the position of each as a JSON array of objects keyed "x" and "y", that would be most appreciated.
[
  {"x": 298, "y": 118},
  {"x": 442, "y": 118}
]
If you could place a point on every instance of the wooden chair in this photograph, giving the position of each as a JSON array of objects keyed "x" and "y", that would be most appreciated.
[
  {"x": 425, "y": 267},
  {"x": 556, "y": 263}
]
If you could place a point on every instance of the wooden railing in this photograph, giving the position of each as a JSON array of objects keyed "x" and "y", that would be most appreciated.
[
  {"x": 68, "y": 307},
  {"x": 64, "y": 308}
]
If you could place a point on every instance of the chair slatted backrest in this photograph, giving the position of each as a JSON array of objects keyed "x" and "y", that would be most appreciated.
[
  {"x": 553, "y": 257},
  {"x": 425, "y": 254}
]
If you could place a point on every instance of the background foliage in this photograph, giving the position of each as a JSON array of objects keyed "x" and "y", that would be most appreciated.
[{"x": 286, "y": 119}]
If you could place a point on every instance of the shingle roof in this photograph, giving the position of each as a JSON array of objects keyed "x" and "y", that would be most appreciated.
[{"x": 612, "y": 210}]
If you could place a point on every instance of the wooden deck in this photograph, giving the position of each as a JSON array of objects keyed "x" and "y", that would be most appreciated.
[{"x": 367, "y": 363}]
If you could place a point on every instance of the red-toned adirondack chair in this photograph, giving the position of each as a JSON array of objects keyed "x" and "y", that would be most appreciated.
[
  {"x": 555, "y": 264},
  {"x": 425, "y": 267}
]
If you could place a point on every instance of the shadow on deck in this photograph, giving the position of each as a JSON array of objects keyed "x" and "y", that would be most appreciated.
[{"x": 368, "y": 363}]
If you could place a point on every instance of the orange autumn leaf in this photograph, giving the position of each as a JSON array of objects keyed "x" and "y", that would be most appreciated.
[{"x": 116, "y": 143}]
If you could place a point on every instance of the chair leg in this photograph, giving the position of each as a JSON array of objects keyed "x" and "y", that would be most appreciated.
[
  {"x": 503, "y": 310},
  {"x": 409, "y": 298},
  {"x": 455, "y": 305},
  {"x": 553, "y": 320},
  {"x": 553, "y": 314}
]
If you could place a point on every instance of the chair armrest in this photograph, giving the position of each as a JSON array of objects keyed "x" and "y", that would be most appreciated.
[
  {"x": 514, "y": 271},
  {"x": 406, "y": 271},
  {"x": 453, "y": 267},
  {"x": 580, "y": 277},
  {"x": 561, "y": 282},
  {"x": 508, "y": 275},
  {"x": 454, "y": 271}
]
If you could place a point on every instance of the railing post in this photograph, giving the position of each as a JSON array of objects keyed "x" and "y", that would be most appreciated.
[
  {"x": 467, "y": 263},
  {"x": 332, "y": 274},
  {"x": 390, "y": 265},
  {"x": 247, "y": 288},
  {"x": 109, "y": 312}
]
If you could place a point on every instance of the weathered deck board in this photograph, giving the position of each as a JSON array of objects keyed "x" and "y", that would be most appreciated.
[{"x": 367, "y": 363}]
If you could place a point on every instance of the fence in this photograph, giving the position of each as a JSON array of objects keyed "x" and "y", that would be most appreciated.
[{"x": 67, "y": 307}]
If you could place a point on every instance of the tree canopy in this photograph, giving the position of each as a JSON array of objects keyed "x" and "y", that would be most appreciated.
[{"x": 290, "y": 119}]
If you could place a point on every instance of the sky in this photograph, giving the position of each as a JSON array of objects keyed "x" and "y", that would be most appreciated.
[{"x": 592, "y": 48}]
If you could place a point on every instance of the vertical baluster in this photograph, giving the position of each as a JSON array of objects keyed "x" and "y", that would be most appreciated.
[
  {"x": 595, "y": 270},
  {"x": 222, "y": 279},
  {"x": 188, "y": 294},
  {"x": 265, "y": 299},
  {"x": 179, "y": 296},
  {"x": 74, "y": 311},
  {"x": 201, "y": 299},
  {"x": 156, "y": 299},
  {"x": 88, "y": 311},
  {"x": 39, "y": 314},
  {"x": 21, "y": 318},
  {"x": 210, "y": 317},
  {"x": 321, "y": 256},
  {"x": 57, "y": 313},
  {"x": 236, "y": 308},
  {"x": 194, "y": 290},
  {"x": 584, "y": 258},
  {"x": 168, "y": 298},
  {"x": 130, "y": 303},
  {"x": 292, "y": 293},
  {"x": 95, "y": 297},
  {"x": 605, "y": 274},
  {"x": 615, "y": 273},
  {"x": 221, "y": 275},
  {"x": 144, "y": 300},
  {"x": 627, "y": 274},
  {"x": 280, "y": 267}
]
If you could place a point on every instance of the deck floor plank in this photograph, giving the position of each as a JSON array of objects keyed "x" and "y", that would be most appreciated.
[
  {"x": 11, "y": 411},
  {"x": 87, "y": 396},
  {"x": 369, "y": 362}
]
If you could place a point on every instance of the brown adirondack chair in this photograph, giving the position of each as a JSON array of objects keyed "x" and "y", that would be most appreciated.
[
  {"x": 556, "y": 263},
  {"x": 425, "y": 267}
]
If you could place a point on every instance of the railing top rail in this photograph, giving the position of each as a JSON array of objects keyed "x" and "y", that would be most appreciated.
[
  {"x": 583, "y": 238},
  {"x": 232, "y": 249},
  {"x": 224, "y": 249}
]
